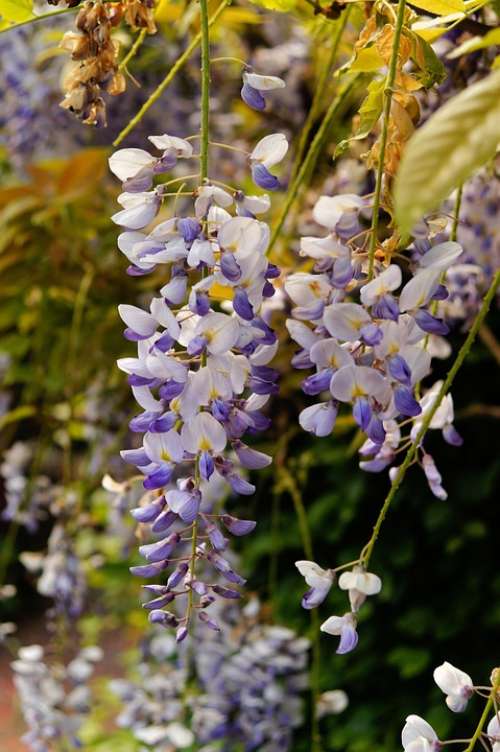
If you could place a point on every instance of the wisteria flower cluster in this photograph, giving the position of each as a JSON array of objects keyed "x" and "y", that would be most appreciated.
[
  {"x": 55, "y": 699},
  {"x": 202, "y": 375},
  {"x": 251, "y": 676},
  {"x": 374, "y": 353}
]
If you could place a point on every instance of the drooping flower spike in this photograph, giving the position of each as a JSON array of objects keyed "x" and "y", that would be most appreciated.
[
  {"x": 202, "y": 373},
  {"x": 367, "y": 339}
]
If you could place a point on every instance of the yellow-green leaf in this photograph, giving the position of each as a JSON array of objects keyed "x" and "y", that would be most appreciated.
[
  {"x": 283, "y": 6},
  {"x": 16, "y": 11},
  {"x": 456, "y": 141},
  {"x": 367, "y": 60},
  {"x": 440, "y": 7}
]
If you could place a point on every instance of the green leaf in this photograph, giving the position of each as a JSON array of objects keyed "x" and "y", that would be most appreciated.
[
  {"x": 455, "y": 142},
  {"x": 440, "y": 7},
  {"x": 369, "y": 113}
]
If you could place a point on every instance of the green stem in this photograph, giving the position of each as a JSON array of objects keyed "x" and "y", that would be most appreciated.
[
  {"x": 388, "y": 92},
  {"x": 410, "y": 456},
  {"x": 319, "y": 92},
  {"x": 485, "y": 713},
  {"x": 312, "y": 155},
  {"x": 205, "y": 88},
  {"x": 133, "y": 50},
  {"x": 179, "y": 63},
  {"x": 456, "y": 213}
]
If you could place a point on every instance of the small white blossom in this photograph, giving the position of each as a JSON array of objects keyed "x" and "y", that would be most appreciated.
[
  {"x": 456, "y": 684},
  {"x": 493, "y": 731},
  {"x": 332, "y": 702},
  {"x": 360, "y": 584},
  {"x": 418, "y": 735}
]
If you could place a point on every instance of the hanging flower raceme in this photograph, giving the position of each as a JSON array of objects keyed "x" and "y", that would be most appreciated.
[
  {"x": 367, "y": 339},
  {"x": 250, "y": 680},
  {"x": 202, "y": 373},
  {"x": 55, "y": 699}
]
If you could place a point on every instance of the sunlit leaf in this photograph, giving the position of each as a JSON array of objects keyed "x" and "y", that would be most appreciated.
[
  {"x": 440, "y": 7},
  {"x": 367, "y": 60},
  {"x": 16, "y": 11},
  {"x": 457, "y": 140},
  {"x": 284, "y": 6}
]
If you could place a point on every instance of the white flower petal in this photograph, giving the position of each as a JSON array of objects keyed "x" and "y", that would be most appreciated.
[
  {"x": 344, "y": 320},
  {"x": 418, "y": 291},
  {"x": 126, "y": 163},
  {"x": 451, "y": 680},
  {"x": 388, "y": 280},
  {"x": 138, "y": 320},
  {"x": 270, "y": 150},
  {"x": 415, "y": 729},
  {"x": 441, "y": 256},
  {"x": 263, "y": 83},
  {"x": 182, "y": 148},
  {"x": 329, "y": 209}
]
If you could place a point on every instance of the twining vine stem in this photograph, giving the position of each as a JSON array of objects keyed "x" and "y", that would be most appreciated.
[
  {"x": 412, "y": 451},
  {"x": 205, "y": 88},
  {"x": 388, "y": 92},
  {"x": 133, "y": 50},
  {"x": 176, "y": 67}
]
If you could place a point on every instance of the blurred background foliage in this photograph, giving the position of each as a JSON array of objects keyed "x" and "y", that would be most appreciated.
[{"x": 61, "y": 281}]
